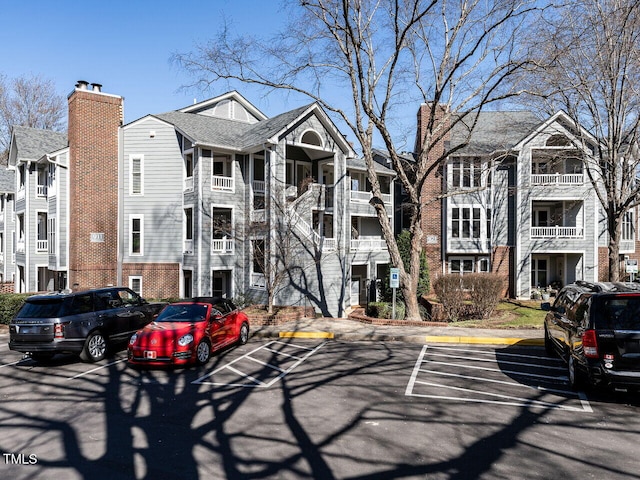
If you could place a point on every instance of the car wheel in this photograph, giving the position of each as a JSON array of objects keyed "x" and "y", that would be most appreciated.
[
  {"x": 95, "y": 348},
  {"x": 203, "y": 352},
  {"x": 548, "y": 343},
  {"x": 243, "y": 337},
  {"x": 42, "y": 357},
  {"x": 576, "y": 379}
]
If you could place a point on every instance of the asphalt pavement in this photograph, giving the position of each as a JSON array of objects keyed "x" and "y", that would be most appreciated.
[{"x": 353, "y": 330}]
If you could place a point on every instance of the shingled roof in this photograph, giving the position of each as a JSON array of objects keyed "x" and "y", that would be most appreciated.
[
  {"x": 34, "y": 143},
  {"x": 222, "y": 132},
  {"x": 494, "y": 131}
]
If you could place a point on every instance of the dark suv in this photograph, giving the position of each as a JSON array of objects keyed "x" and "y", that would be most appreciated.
[
  {"x": 595, "y": 328},
  {"x": 85, "y": 322}
]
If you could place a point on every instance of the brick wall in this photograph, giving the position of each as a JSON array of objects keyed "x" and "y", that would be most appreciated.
[
  {"x": 94, "y": 118},
  {"x": 501, "y": 262},
  {"x": 159, "y": 280},
  {"x": 431, "y": 221}
]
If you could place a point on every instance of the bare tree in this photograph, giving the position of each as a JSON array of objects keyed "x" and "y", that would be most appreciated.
[
  {"x": 382, "y": 56},
  {"x": 30, "y": 101},
  {"x": 589, "y": 66}
]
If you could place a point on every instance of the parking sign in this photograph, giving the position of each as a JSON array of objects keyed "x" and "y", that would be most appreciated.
[{"x": 395, "y": 278}]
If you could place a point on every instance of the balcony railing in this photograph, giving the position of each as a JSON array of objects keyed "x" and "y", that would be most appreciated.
[
  {"x": 41, "y": 191},
  {"x": 258, "y": 215},
  {"x": 557, "y": 232},
  {"x": 188, "y": 247},
  {"x": 222, "y": 245},
  {"x": 222, "y": 183},
  {"x": 20, "y": 246},
  {"x": 257, "y": 280},
  {"x": 368, "y": 244},
  {"x": 188, "y": 184},
  {"x": 360, "y": 196},
  {"x": 557, "y": 179},
  {"x": 258, "y": 185},
  {"x": 42, "y": 246}
]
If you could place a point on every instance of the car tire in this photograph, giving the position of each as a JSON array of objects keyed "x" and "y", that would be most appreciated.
[
  {"x": 95, "y": 348},
  {"x": 203, "y": 352},
  {"x": 548, "y": 344},
  {"x": 42, "y": 357},
  {"x": 576, "y": 377},
  {"x": 243, "y": 336}
]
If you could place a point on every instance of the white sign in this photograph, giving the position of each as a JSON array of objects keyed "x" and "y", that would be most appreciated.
[
  {"x": 631, "y": 265},
  {"x": 395, "y": 278},
  {"x": 97, "y": 237}
]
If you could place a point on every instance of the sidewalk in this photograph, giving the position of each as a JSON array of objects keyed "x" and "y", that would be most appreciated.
[{"x": 352, "y": 330}]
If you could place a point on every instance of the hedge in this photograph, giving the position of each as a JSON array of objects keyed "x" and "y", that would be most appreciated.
[{"x": 10, "y": 303}]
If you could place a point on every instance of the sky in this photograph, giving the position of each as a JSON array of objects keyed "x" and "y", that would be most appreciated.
[{"x": 126, "y": 46}]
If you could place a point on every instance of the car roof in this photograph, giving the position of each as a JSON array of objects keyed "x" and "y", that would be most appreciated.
[
  {"x": 605, "y": 287},
  {"x": 69, "y": 293},
  {"x": 211, "y": 300}
]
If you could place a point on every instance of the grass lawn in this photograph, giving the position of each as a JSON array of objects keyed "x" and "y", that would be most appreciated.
[{"x": 510, "y": 314}]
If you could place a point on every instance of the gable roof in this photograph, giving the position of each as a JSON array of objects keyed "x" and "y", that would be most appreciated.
[
  {"x": 232, "y": 95},
  {"x": 493, "y": 131},
  {"x": 31, "y": 144},
  {"x": 7, "y": 180}
]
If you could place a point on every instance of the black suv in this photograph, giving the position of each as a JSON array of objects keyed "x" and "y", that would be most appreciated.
[
  {"x": 595, "y": 328},
  {"x": 84, "y": 322}
]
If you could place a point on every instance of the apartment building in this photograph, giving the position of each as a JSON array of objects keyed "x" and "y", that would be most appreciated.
[
  {"x": 516, "y": 200},
  {"x": 212, "y": 199}
]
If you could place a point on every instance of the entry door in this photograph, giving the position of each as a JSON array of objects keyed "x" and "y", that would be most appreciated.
[
  {"x": 539, "y": 272},
  {"x": 355, "y": 290}
]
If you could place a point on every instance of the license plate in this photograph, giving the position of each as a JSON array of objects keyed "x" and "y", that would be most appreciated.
[
  {"x": 150, "y": 354},
  {"x": 24, "y": 330}
]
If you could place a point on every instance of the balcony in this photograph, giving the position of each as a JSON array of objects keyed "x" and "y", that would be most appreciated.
[
  {"x": 187, "y": 247},
  {"x": 368, "y": 244},
  {"x": 41, "y": 190},
  {"x": 557, "y": 232},
  {"x": 258, "y": 186},
  {"x": 225, "y": 184},
  {"x": 188, "y": 184},
  {"x": 557, "y": 179},
  {"x": 257, "y": 280},
  {"x": 365, "y": 197},
  {"x": 222, "y": 246},
  {"x": 258, "y": 215},
  {"x": 42, "y": 246}
]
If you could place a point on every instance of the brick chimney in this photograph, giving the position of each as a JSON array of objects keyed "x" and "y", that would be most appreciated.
[
  {"x": 432, "y": 217},
  {"x": 94, "y": 119}
]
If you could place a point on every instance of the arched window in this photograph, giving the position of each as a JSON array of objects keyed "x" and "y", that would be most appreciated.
[
  {"x": 558, "y": 140},
  {"x": 311, "y": 138}
]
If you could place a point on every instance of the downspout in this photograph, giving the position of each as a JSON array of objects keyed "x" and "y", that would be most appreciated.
[{"x": 120, "y": 219}]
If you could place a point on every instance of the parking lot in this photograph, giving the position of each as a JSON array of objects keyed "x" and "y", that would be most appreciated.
[{"x": 313, "y": 408}]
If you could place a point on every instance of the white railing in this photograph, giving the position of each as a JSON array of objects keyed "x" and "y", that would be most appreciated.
[
  {"x": 223, "y": 245},
  {"x": 258, "y": 185},
  {"x": 42, "y": 246},
  {"x": 627, "y": 246},
  {"x": 21, "y": 193},
  {"x": 368, "y": 244},
  {"x": 257, "y": 280},
  {"x": 557, "y": 232},
  {"x": 557, "y": 179},
  {"x": 188, "y": 184},
  {"x": 41, "y": 190},
  {"x": 222, "y": 183},
  {"x": 20, "y": 246},
  {"x": 258, "y": 215},
  {"x": 359, "y": 196},
  {"x": 188, "y": 247}
]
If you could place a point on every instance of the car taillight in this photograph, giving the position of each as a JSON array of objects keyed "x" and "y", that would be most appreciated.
[
  {"x": 590, "y": 344},
  {"x": 58, "y": 331}
]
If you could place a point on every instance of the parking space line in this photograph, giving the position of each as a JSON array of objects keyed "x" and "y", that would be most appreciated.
[
  {"x": 96, "y": 369},
  {"x": 479, "y": 396},
  {"x": 283, "y": 373},
  {"x": 493, "y": 360},
  {"x": 12, "y": 363},
  {"x": 265, "y": 363},
  {"x": 282, "y": 353}
]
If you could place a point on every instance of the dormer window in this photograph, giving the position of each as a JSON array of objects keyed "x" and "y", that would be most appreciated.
[{"x": 311, "y": 138}]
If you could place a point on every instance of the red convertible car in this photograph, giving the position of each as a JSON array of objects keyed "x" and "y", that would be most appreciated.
[{"x": 188, "y": 332}]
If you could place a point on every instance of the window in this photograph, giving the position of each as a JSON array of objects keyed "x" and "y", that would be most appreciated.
[
  {"x": 188, "y": 230},
  {"x": 136, "y": 165},
  {"x": 258, "y": 256},
  {"x": 465, "y": 222},
  {"x": 488, "y": 213},
  {"x": 483, "y": 265},
  {"x": 461, "y": 265},
  {"x": 52, "y": 235},
  {"x": 466, "y": 172},
  {"x": 135, "y": 284},
  {"x": 188, "y": 164},
  {"x": 136, "y": 240},
  {"x": 628, "y": 229}
]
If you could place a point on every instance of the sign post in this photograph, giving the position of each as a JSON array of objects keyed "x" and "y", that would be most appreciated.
[{"x": 394, "y": 282}]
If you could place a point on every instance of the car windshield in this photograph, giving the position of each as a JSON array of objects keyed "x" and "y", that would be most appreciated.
[
  {"x": 619, "y": 313},
  {"x": 183, "y": 313}
]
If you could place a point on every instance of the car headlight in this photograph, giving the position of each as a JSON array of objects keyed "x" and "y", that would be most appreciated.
[
  {"x": 133, "y": 339},
  {"x": 185, "y": 340}
]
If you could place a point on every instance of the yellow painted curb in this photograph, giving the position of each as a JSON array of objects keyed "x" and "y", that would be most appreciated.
[
  {"x": 306, "y": 334},
  {"x": 484, "y": 340}
]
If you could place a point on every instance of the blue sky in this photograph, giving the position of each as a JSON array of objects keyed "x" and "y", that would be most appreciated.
[{"x": 126, "y": 46}]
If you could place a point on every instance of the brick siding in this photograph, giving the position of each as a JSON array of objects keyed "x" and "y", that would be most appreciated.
[{"x": 159, "y": 280}]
